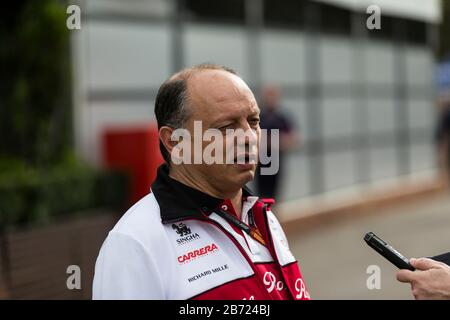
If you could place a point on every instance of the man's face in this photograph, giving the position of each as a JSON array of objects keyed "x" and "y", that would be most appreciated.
[{"x": 221, "y": 101}]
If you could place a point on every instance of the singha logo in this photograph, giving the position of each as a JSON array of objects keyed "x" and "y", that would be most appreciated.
[{"x": 181, "y": 229}]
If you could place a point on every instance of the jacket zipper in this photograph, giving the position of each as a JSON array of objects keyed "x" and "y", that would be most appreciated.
[
  {"x": 242, "y": 251},
  {"x": 274, "y": 253}
]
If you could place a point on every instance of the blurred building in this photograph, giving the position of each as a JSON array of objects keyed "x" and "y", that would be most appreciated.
[{"x": 365, "y": 99}]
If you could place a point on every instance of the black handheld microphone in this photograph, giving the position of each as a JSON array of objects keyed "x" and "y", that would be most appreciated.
[{"x": 387, "y": 251}]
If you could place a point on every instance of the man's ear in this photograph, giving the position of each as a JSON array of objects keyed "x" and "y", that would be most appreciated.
[{"x": 165, "y": 136}]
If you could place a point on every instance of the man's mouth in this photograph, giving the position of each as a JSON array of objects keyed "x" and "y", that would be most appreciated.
[{"x": 245, "y": 159}]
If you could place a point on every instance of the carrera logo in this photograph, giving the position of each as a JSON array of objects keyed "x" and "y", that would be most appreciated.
[{"x": 198, "y": 253}]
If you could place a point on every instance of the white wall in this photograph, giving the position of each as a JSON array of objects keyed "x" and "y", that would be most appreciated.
[
  {"x": 120, "y": 57},
  {"x": 426, "y": 10},
  {"x": 117, "y": 57}
]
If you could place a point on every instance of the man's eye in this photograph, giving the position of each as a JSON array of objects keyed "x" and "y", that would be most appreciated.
[
  {"x": 227, "y": 126},
  {"x": 254, "y": 122}
]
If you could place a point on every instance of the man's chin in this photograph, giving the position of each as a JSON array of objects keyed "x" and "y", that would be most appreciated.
[
  {"x": 245, "y": 167},
  {"x": 244, "y": 172}
]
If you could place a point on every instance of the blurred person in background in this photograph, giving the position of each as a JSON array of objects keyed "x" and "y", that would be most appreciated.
[
  {"x": 272, "y": 117},
  {"x": 443, "y": 136}
]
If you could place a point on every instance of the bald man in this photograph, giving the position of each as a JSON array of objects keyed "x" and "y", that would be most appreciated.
[{"x": 200, "y": 233}]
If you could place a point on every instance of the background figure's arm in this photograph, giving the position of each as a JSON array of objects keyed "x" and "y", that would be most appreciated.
[{"x": 445, "y": 258}]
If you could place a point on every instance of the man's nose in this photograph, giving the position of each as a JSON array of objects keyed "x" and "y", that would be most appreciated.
[{"x": 251, "y": 135}]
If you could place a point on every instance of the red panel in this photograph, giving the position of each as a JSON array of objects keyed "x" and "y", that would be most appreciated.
[{"x": 136, "y": 150}]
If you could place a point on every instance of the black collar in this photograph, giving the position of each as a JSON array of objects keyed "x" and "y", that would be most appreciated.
[{"x": 178, "y": 201}]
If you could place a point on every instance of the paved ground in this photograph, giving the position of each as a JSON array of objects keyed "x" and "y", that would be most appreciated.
[{"x": 334, "y": 258}]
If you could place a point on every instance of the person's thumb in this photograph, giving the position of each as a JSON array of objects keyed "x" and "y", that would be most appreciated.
[
  {"x": 405, "y": 275},
  {"x": 424, "y": 263}
]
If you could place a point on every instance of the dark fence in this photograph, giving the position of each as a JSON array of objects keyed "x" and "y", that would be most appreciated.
[{"x": 34, "y": 262}]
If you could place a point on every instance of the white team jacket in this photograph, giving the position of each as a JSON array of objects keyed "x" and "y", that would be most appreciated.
[{"x": 175, "y": 243}]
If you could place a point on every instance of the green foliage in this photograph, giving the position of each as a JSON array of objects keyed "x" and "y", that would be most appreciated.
[
  {"x": 444, "y": 31},
  {"x": 30, "y": 196},
  {"x": 35, "y": 81},
  {"x": 40, "y": 178}
]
